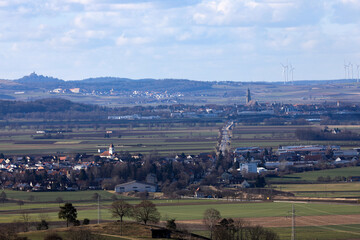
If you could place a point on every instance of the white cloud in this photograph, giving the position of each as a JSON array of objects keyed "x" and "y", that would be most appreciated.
[{"x": 122, "y": 40}]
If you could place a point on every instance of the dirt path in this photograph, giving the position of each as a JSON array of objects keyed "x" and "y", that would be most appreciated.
[{"x": 286, "y": 221}]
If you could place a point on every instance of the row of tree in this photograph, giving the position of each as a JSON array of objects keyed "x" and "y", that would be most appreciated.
[{"x": 229, "y": 229}]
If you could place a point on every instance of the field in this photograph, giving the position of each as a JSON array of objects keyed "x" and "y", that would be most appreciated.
[
  {"x": 312, "y": 176},
  {"x": 327, "y": 190},
  {"x": 274, "y": 136},
  {"x": 169, "y": 138},
  {"x": 323, "y": 219}
]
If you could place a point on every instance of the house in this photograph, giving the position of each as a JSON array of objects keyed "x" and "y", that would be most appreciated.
[{"x": 135, "y": 186}]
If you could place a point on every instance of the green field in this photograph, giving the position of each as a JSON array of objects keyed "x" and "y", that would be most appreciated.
[
  {"x": 274, "y": 136},
  {"x": 313, "y": 176},
  {"x": 169, "y": 138},
  {"x": 321, "y": 232},
  {"x": 333, "y": 190},
  {"x": 185, "y": 210},
  {"x": 194, "y": 209},
  {"x": 46, "y": 197}
]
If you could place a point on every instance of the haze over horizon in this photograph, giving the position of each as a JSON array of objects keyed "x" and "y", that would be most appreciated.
[{"x": 218, "y": 40}]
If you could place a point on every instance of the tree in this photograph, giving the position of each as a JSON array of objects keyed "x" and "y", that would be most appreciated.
[
  {"x": 86, "y": 221},
  {"x": 146, "y": 212},
  {"x": 59, "y": 200},
  {"x": 211, "y": 218},
  {"x": 43, "y": 225},
  {"x": 25, "y": 220},
  {"x": 95, "y": 196},
  {"x": 20, "y": 203},
  {"x": 68, "y": 212},
  {"x": 170, "y": 224},
  {"x": 3, "y": 197},
  {"x": 120, "y": 209},
  {"x": 31, "y": 198}
]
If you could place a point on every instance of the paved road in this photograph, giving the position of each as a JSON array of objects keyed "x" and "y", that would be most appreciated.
[{"x": 226, "y": 137}]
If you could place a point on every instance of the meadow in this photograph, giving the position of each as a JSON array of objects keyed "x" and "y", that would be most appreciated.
[
  {"x": 312, "y": 176},
  {"x": 270, "y": 214},
  {"x": 275, "y": 136},
  {"x": 324, "y": 190},
  {"x": 182, "y": 209},
  {"x": 164, "y": 139}
]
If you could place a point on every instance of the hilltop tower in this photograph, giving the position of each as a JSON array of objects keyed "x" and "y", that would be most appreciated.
[{"x": 248, "y": 96}]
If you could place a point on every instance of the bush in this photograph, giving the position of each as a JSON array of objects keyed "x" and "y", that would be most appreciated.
[
  {"x": 76, "y": 223},
  {"x": 53, "y": 236},
  {"x": 86, "y": 221},
  {"x": 170, "y": 224},
  {"x": 43, "y": 225}
]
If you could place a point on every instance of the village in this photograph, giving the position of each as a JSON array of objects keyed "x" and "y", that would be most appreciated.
[{"x": 123, "y": 172}]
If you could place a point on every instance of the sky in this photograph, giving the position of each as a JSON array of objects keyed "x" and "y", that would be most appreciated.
[{"x": 207, "y": 40}]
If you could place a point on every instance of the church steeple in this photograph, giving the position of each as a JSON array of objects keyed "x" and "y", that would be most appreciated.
[
  {"x": 111, "y": 149},
  {"x": 248, "y": 96}
]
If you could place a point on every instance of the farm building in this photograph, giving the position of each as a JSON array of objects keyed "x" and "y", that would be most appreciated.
[{"x": 135, "y": 186}]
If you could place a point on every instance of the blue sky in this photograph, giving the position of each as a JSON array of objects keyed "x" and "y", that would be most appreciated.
[{"x": 215, "y": 40}]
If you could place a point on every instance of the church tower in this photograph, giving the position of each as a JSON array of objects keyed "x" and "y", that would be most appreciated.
[
  {"x": 111, "y": 149},
  {"x": 248, "y": 96}
]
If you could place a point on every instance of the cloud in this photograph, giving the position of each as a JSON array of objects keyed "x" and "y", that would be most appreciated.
[
  {"x": 162, "y": 35},
  {"x": 122, "y": 40}
]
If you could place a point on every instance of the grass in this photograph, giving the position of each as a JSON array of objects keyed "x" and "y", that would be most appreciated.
[
  {"x": 195, "y": 211},
  {"x": 337, "y": 190},
  {"x": 331, "y": 232},
  {"x": 314, "y": 175},
  {"x": 321, "y": 232},
  {"x": 52, "y": 196},
  {"x": 164, "y": 138},
  {"x": 274, "y": 136}
]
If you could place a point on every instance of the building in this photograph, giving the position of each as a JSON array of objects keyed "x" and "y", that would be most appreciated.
[
  {"x": 248, "y": 167},
  {"x": 248, "y": 96},
  {"x": 136, "y": 187},
  {"x": 109, "y": 154}
]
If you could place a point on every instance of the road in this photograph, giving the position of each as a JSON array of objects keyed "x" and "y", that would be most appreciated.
[{"x": 225, "y": 137}]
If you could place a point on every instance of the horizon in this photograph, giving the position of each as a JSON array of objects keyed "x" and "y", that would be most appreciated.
[{"x": 149, "y": 78}]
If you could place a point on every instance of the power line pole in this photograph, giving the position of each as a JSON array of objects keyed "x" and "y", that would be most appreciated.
[{"x": 293, "y": 223}]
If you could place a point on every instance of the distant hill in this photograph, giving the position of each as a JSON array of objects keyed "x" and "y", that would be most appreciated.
[
  {"x": 35, "y": 81},
  {"x": 44, "y": 105},
  {"x": 116, "y": 91},
  {"x": 40, "y": 81}
]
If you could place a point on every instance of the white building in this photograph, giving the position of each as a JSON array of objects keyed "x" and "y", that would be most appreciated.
[
  {"x": 135, "y": 186},
  {"x": 248, "y": 167}
]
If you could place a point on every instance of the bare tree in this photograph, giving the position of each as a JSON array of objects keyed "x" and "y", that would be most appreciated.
[
  {"x": 120, "y": 209},
  {"x": 3, "y": 197},
  {"x": 211, "y": 218},
  {"x": 25, "y": 220},
  {"x": 146, "y": 212}
]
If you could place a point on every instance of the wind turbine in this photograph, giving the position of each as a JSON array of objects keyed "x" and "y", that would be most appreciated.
[
  {"x": 292, "y": 72},
  {"x": 285, "y": 72},
  {"x": 352, "y": 70},
  {"x": 345, "y": 69},
  {"x": 357, "y": 69}
]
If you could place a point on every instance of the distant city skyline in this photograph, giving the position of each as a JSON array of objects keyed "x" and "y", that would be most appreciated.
[{"x": 206, "y": 40}]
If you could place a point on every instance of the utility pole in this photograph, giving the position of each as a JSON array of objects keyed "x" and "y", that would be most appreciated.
[
  {"x": 99, "y": 209},
  {"x": 293, "y": 223}
]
